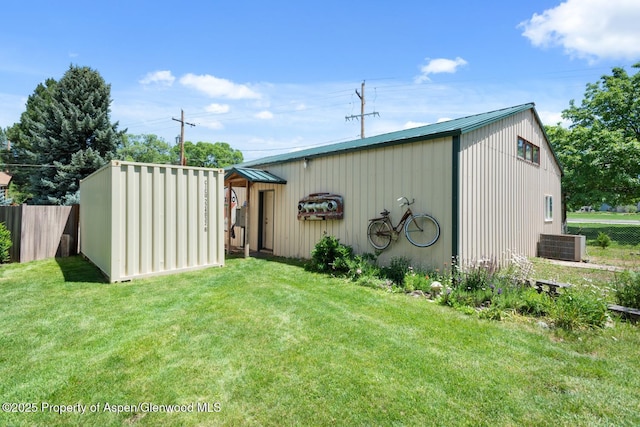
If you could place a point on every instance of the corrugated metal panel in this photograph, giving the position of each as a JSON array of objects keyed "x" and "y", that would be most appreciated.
[
  {"x": 254, "y": 175},
  {"x": 501, "y": 196},
  {"x": 143, "y": 219},
  {"x": 369, "y": 181}
]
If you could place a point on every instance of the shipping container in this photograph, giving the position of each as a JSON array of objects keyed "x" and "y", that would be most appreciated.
[{"x": 139, "y": 220}]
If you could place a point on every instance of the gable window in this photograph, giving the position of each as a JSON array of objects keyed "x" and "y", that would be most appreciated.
[
  {"x": 528, "y": 151},
  {"x": 548, "y": 208}
]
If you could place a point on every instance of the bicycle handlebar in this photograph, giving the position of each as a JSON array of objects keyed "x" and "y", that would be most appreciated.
[{"x": 406, "y": 202}]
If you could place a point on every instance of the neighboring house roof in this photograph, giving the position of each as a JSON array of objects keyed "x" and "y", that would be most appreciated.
[
  {"x": 253, "y": 175},
  {"x": 5, "y": 179},
  {"x": 432, "y": 131}
]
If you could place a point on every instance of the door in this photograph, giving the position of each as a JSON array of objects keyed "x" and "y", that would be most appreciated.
[{"x": 265, "y": 233}]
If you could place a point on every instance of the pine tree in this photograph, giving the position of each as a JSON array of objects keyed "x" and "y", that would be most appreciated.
[
  {"x": 18, "y": 135},
  {"x": 70, "y": 136}
]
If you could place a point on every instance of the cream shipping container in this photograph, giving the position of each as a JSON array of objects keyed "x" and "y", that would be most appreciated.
[{"x": 139, "y": 220}]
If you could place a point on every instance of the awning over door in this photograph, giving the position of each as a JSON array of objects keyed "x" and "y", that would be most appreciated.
[
  {"x": 246, "y": 177},
  {"x": 238, "y": 174}
]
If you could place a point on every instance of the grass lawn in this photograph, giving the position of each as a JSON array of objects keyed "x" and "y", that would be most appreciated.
[
  {"x": 586, "y": 216},
  {"x": 268, "y": 343}
]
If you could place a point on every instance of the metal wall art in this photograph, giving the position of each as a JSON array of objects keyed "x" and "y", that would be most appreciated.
[{"x": 320, "y": 206}]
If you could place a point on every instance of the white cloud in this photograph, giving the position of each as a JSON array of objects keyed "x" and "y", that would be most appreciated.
[
  {"x": 439, "y": 65},
  {"x": 552, "y": 118},
  {"x": 217, "y": 108},
  {"x": 588, "y": 28},
  {"x": 218, "y": 88},
  {"x": 211, "y": 124},
  {"x": 264, "y": 115},
  {"x": 412, "y": 124},
  {"x": 161, "y": 78}
]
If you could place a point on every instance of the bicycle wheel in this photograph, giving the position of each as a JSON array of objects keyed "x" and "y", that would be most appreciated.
[
  {"x": 422, "y": 230},
  {"x": 379, "y": 234}
]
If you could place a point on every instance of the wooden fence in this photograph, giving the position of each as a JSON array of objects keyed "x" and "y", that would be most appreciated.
[{"x": 40, "y": 232}]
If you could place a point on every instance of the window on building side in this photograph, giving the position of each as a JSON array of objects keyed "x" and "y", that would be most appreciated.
[
  {"x": 548, "y": 208},
  {"x": 528, "y": 151}
]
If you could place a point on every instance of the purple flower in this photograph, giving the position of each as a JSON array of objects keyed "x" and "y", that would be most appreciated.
[{"x": 499, "y": 291}]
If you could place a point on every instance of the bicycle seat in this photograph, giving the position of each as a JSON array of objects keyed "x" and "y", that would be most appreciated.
[{"x": 385, "y": 213}]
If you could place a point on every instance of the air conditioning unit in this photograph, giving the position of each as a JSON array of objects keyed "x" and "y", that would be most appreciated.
[{"x": 564, "y": 247}]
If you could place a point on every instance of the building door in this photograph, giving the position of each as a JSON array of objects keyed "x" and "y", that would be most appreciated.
[{"x": 265, "y": 214}]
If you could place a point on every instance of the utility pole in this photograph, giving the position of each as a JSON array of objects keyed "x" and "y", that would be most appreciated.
[
  {"x": 362, "y": 114},
  {"x": 183, "y": 161}
]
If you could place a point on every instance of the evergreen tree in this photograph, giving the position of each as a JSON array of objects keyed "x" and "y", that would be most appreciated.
[
  {"x": 19, "y": 158},
  {"x": 68, "y": 134}
]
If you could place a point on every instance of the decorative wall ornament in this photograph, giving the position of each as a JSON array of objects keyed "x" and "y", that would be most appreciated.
[{"x": 321, "y": 206}]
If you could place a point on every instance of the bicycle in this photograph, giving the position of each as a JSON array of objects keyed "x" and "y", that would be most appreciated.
[{"x": 422, "y": 230}]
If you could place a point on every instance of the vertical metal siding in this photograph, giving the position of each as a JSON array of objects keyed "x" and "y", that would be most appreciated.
[
  {"x": 369, "y": 181},
  {"x": 140, "y": 219},
  {"x": 502, "y": 197}
]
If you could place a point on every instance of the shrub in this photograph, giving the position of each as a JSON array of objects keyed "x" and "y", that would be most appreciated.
[
  {"x": 5, "y": 243},
  {"x": 330, "y": 256},
  {"x": 363, "y": 266},
  {"x": 535, "y": 303},
  {"x": 417, "y": 281},
  {"x": 627, "y": 289},
  {"x": 396, "y": 270},
  {"x": 479, "y": 275},
  {"x": 578, "y": 309},
  {"x": 603, "y": 240}
]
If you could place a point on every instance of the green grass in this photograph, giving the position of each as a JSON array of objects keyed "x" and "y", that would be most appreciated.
[
  {"x": 603, "y": 215},
  {"x": 274, "y": 344}
]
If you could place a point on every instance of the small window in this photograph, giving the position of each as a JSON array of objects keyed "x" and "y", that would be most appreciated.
[
  {"x": 521, "y": 148},
  {"x": 548, "y": 208},
  {"x": 528, "y": 151}
]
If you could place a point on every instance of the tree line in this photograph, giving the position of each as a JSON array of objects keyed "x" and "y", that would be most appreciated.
[{"x": 66, "y": 133}]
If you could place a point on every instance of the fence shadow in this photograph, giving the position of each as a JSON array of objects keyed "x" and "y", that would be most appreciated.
[{"x": 78, "y": 269}]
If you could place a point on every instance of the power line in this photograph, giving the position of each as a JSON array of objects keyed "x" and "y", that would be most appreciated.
[
  {"x": 183, "y": 161},
  {"x": 362, "y": 114}
]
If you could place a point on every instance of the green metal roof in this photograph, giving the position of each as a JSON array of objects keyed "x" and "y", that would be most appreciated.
[
  {"x": 432, "y": 131},
  {"x": 254, "y": 175}
]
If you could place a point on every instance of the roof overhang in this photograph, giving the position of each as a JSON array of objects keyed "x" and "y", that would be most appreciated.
[{"x": 242, "y": 175}]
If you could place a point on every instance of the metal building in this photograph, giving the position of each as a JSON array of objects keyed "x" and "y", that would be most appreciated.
[
  {"x": 139, "y": 220},
  {"x": 491, "y": 181}
]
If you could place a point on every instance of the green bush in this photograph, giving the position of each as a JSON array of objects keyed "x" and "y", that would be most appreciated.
[
  {"x": 397, "y": 269},
  {"x": 578, "y": 310},
  {"x": 363, "y": 266},
  {"x": 330, "y": 256},
  {"x": 417, "y": 281},
  {"x": 603, "y": 240},
  {"x": 5, "y": 243},
  {"x": 534, "y": 303},
  {"x": 627, "y": 289}
]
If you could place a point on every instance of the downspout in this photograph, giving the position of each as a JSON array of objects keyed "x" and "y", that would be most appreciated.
[{"x": 455, "y": 197}]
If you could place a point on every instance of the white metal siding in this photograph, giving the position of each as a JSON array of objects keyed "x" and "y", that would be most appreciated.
[
  {"x": 502, "y": 196},
  {"x": 141, "y": 219}
]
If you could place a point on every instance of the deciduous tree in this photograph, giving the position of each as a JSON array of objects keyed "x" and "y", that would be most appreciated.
[
  {"x": 206, "y": 154},
  {"x": 600, "y": 152},
  {"x": 146, "y": 148}
]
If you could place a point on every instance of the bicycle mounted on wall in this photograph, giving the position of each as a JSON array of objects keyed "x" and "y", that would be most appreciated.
[{"x": 422, "y": 230}]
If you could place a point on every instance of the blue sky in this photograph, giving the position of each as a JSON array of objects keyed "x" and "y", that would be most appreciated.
[{"x": 272, "y": 77}]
